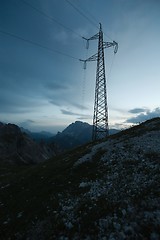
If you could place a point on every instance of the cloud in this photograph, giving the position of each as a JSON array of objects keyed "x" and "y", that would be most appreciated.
[
  {"x": 67, "y": 99},
  {"x": 59, "y": 101},
  {"x": 65, "y": 112},
  {"x": 55, "y": 102},
  {"x": 80, "y": 116},
  {"x": 54, "y": 86},
  {"x": 27, "y": 123},
  {"x": 79, "y": 106},
  {"x": 85, "y": 117},
  {"x": 17, "y": 104},
  {"x": 138, "y": 110},
  {"x": 118, "y": 126},
  {"x": 144, "y": 116}
]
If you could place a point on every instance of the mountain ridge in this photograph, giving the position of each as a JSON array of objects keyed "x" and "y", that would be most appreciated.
[
  {"x": 23, "y": 145},
  {"x": 17, "y": 147},
  {"x": 76, "y": 134}
]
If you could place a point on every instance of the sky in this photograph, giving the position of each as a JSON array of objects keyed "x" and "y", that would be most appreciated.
[{"x": 43, "y": 85}]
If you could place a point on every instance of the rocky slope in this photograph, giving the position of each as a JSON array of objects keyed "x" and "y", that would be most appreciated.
[
  {"x": 109, "y": 190},
  {"x": 17, "y": 147}
]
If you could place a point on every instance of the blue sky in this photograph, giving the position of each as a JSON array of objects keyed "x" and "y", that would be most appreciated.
[{"x": 44, "y": 90}]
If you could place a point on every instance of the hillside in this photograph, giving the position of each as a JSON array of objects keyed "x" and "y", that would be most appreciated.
[
  {"x": 109, "y": 190},
  {"x": 17, "y": 147}
]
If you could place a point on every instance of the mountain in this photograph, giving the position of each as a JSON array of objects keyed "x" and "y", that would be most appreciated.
[
  {"x": 17, "y": 147},
  {"x": 113, "y": 131},
  {"x": 38, "y": 136},
  {"x": 75, "y": 135},
  {"x": 108, "y": 190}
]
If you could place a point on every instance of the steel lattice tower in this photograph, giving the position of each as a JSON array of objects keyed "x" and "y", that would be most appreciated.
[{"x": 100, "y": 116}]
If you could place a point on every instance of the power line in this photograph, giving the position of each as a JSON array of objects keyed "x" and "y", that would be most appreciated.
[
  {"x": 50, "y": 18},
  {"x": 93, "y": 22},
  {"x": 108, "y": 36},
  {"x": 36, "y": 44},
  {"x": 61, "y": 24},
  {"x": 111, "y": 67},
  {"x": 81, "y": 13},
  {"x": 91, "y": 15}
]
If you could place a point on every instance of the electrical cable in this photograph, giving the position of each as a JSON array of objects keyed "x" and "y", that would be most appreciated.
[
  {"x": 50, "y": 18},
  {"x": 61, "y": 24},
  {"x": 88, "y": 13},
  {"x": 108, "y": 36},
  {"x": 111, "y": 67},
  {"x": 92, "y": 22},
  {"x": 37, "y": 44},
  {"x": 84, "y": 82},
  {"x": 81, "y": 13}
]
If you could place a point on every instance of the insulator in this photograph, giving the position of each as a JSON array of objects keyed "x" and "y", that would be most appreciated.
[{"x": 87, "y": 44}]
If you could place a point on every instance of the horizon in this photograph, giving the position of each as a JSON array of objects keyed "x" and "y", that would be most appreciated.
[{"x": 64, "y": 127}]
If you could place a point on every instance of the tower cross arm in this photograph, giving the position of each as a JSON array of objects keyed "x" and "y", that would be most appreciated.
[
  {"x": 92, "y": 58},
  {"x": 111, "y": 44},
  {"x": 96, "y": 36}
]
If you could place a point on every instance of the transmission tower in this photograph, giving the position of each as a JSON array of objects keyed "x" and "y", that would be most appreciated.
[{"x": 100, "y": 116}]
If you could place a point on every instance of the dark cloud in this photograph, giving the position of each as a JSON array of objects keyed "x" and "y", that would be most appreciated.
[
  {"x": 65, "y": 112},
  {"x": 79, "y": 116},
  {"x": 54, "y": 86},
  {"x": 16, "y": 104},
  {"x": 85, "y": 117},
  {"x": 144, "y": 116},
  {"x": 138, "y": 110},
  {"x": 55, "y": 102},
  {"x": 65, "y": 100},
  {"x": 79, "y": 106}
]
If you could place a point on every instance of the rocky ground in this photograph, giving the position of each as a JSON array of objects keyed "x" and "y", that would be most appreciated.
[{"x": 109, "y": 190}]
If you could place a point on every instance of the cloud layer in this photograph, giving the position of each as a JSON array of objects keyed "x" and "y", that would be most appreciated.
[
  {"x": 138, "y": 110},
  {"x": 144, "y": 115},
  {"x": 80, "y": 116}
]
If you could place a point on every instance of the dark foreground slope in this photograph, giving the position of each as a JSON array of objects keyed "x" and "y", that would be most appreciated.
[{"x": 106, "y": 191}]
